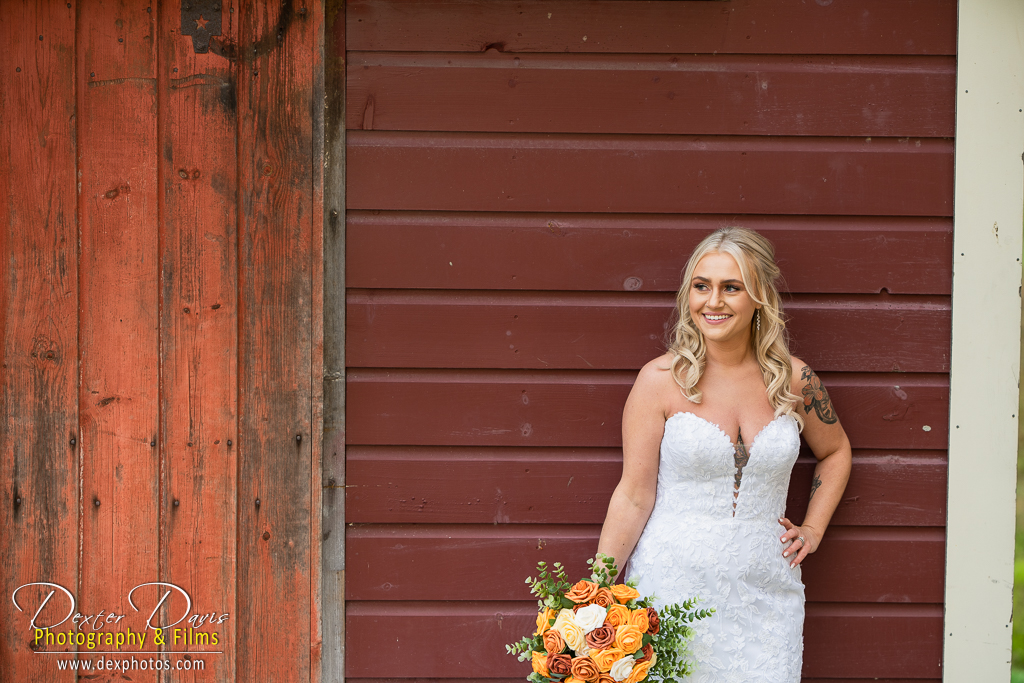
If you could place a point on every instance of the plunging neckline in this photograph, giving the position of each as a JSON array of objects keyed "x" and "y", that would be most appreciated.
[{"x": 750, "y": 448}]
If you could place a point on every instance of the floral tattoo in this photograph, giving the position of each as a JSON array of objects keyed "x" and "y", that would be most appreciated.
[
  {"x": 740, "y": 459},
  {"x": 817, "y": 398}
]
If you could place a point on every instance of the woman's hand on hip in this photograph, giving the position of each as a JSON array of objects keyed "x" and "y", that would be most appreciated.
[{"x": 799, "y": 541}]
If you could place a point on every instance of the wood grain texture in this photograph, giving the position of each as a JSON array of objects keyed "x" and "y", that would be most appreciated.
[
  {"x": 584, "y": 409},
  {"x": 651, "y": 173},
  {"x": 638, "y": 252},
  {"x": 415, "y": 562},
  {"x": 38, "y": 326},
  {"x": 277, "y": 44},
  {"x": 320, "y": 609},
  {"x": 199, "y": 327},
  {"x": 883, "y": 640},
  {"x": 537, "y": 485},
  {"x": 685, "y": 94},
  {"x": 626, "y": 330},
  {"x": 744, "y": 26},
  {"x": 119, "y": 307}
]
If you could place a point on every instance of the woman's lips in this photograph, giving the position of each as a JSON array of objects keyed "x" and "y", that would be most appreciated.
[{"x": 715, "y": 318}]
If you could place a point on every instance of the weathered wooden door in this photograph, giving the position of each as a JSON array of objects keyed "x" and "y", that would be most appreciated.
[
  {"x": 160, "y": 195},
  {"x": 524, "y": 183}
]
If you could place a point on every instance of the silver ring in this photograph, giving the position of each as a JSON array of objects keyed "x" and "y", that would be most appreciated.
[{"x": 801, "y": 539}]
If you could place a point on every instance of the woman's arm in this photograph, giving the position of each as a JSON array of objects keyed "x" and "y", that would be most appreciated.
[
  {"x": 643, "y": 424},
  {"x": 831, "y": 447}
]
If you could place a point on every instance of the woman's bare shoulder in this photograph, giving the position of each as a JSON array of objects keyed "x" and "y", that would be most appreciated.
[{"x": 655, "y": 377}]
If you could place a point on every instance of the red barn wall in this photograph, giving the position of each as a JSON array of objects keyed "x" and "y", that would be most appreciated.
[
  {"x": 524, "y": 183},
  {"x": 160, "y": 317}
]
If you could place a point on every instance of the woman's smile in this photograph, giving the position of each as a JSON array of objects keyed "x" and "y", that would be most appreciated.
[{"x": 720, "y": 304}]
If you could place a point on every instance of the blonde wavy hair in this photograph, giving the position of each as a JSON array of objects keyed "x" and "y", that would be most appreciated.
[{"x": 756, "y": 258}]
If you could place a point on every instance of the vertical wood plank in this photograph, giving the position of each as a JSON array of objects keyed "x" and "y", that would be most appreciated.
[
  {"x": 276, "y": 212},
  {"x": 317, "y": 21},
  {"x": 118, "y": 400},
  {"x": 333, "y": 501},
  {"x": 38, "y": 324},
  {"x": 198, "y": 327}
]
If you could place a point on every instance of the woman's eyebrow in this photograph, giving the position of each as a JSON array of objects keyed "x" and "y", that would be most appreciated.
[{"x": 724, "y": 282}]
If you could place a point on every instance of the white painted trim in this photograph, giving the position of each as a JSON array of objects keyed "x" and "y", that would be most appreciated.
[{"x": 989, "y": 194}]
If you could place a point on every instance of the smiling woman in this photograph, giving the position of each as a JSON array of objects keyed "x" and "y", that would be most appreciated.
[{"x": 697, "y": 510}]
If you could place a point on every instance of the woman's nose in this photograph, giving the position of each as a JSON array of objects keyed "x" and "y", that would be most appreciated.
[{"x": 714, "y": 299}]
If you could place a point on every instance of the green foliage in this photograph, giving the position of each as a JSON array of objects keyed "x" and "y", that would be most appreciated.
[
  {"x": 672, "y": 641},
  {"x": 524, "y": 646},
  {"x": 551, "y": 586},
  {"x": 603, "y": 571},
  {"x": 1018, "y": 612}
]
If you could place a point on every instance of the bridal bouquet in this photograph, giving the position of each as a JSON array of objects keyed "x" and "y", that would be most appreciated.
[{"x": 602, "y": 632}]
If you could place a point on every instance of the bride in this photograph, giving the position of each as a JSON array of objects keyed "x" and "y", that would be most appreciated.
[{"x": 710, "y": 433}]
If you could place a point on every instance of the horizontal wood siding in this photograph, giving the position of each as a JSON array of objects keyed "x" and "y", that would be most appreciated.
[{"x": 524, "y": 184}]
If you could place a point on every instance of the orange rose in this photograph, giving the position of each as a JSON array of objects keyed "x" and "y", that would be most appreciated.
[
  {"x": 624, "y": 593},
  {"x": 605, "y": 658},
  {"x": 583, "y": 591},
  {"x": 604, "y": 597},
  {"x": 601, "y": 637},
  {"x": 559, "y": 664},
  {"x": 553, "y": 642},
  {"x": 540, "y": 663},
  {"x": 654, "y": 620},
  {"x": 628, "y": 638},
  {"x": 606, "y": 678},
  {"x": 544, "y": 621},
  {"x": 638, "y": 673},
  {"x": 638, "y": 618},
  {"x": 618, "y": 615},
  {"x": 585, "y": 669},
  {"x": 648, "y": 651}
]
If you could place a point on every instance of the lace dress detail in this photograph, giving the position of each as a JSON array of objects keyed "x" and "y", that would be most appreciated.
[{"x": 696, "y": 544}]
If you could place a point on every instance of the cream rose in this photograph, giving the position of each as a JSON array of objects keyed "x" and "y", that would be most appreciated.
[
  {"x": 573, "y": 636},
  {"x": 570, "y": 631},
  {"x": 562, "y": 617},
  {"x": 621, "y": 669},
  {"x": 590, "y": 617}
]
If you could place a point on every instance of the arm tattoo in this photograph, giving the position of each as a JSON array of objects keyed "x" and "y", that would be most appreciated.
[
  {"x": 817, "y": 398},
  {"x": 814, "y": 487}
]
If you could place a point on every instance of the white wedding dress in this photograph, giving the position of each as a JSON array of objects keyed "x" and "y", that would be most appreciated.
[{"x": 697, "y": 543}]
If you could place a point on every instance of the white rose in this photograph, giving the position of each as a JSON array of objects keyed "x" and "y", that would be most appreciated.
[
  {"x": 622, "y": 668},
  {"x": 590, "y": 617},
  {"x": 563, "y": 616}
]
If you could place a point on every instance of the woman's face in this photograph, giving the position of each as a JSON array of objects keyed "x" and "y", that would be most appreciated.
[{"x": 720, "y": 304}]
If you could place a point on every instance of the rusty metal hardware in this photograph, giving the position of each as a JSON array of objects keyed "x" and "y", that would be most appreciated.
[{"x": 201, "y": 19}]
